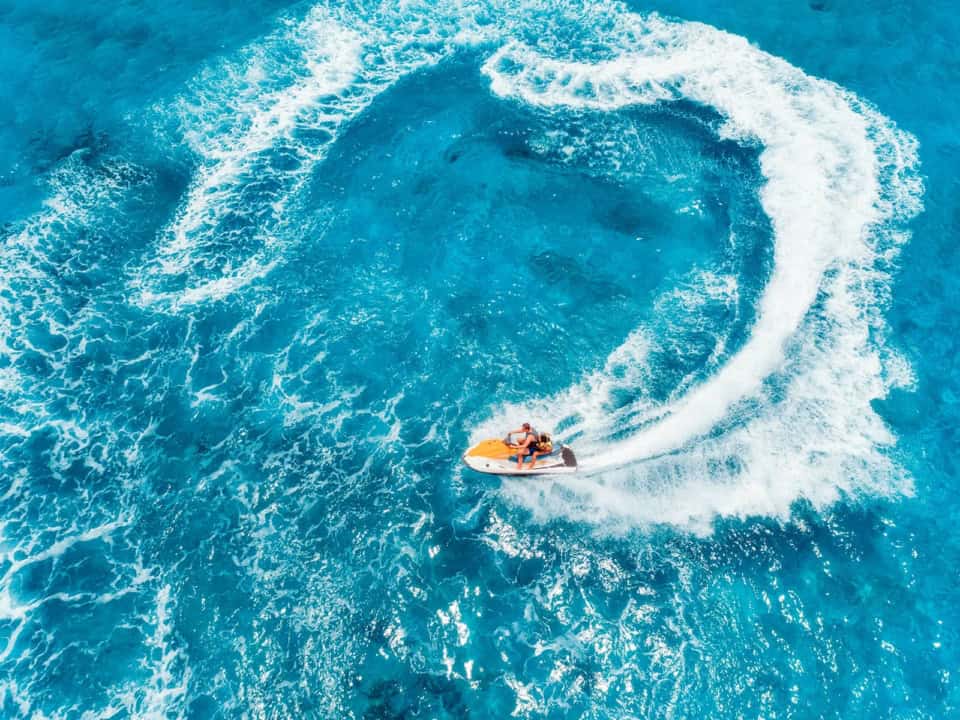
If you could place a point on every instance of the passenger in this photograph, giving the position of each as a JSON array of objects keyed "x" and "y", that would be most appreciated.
[{"x": 528, "y": 445}]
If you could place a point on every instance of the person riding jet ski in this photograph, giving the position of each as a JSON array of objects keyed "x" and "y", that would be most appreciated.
[
  {"x": 505, "y": 456},
  {"x": 531, "y": 444}
]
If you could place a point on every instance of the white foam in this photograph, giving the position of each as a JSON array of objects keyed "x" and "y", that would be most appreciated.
[
  {"x": 316, "y": 75},
  {"x": 310, "y": 94},
  {"x": 838, "y": 174},
  {"x": 246, "y": 108},
  {"x": 839, "y": 178},
  {"x": 77, "y": 193}
]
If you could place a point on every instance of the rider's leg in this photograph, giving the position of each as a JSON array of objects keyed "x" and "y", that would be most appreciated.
[{"x": 521, "y": 454}]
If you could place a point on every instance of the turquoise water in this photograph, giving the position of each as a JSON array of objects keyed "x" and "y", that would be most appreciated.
[{"x": 268, "y": 270}]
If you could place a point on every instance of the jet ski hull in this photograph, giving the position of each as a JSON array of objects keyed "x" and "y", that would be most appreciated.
[{"x": 495, "y": 457}]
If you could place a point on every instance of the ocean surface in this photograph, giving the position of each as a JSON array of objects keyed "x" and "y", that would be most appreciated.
[{"x": 267, "y": 269}]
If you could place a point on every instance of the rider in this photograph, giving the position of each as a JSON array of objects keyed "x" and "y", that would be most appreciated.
[{"x": 529, "y": 445}]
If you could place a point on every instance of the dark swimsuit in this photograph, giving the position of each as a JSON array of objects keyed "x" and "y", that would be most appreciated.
[{"x": 535, "y": 445}]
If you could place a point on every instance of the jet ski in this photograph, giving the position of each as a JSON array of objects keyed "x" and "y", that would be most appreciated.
[{"x": 499, "y": 457}]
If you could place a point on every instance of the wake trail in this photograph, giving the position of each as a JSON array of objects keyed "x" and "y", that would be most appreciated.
[
  {"x": 789, "y": 415},
  {"x": 840, "y": 182}
]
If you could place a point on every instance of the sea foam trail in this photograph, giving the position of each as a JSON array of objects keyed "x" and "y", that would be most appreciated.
[
  {"x": 839, "y": 177},
  {"x": 235, "y": 122},
  {"x": 259, "y": 125},
  {"x": 840, "y": 183}
]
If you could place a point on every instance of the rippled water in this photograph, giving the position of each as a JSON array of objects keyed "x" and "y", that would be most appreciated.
[{"x": 268, "y": 271}]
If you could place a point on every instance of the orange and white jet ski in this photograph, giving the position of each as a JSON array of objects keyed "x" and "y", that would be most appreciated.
[{"x": 499, "y": 457}]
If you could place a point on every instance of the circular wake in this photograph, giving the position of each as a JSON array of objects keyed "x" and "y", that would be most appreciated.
[
  {"x": 206, "y": 440},
  {"x": 789, "y": 415},
  {"x": 786, "y": 416}
]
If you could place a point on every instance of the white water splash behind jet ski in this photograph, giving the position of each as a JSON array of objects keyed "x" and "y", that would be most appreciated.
[{"x": 790, "y": 414}]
